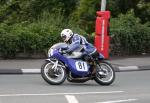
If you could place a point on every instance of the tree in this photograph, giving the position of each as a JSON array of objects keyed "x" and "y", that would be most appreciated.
[{"x": 142, "y": 10}]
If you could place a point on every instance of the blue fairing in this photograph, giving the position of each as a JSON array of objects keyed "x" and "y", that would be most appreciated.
[
  {"x": 77, "y": 67},
  {"x": 72, "y": 64}
]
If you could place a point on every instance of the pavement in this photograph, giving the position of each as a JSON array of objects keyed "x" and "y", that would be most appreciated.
[
  {"x": 133, "y": 63},
  {"x": 32, "y": 66}
]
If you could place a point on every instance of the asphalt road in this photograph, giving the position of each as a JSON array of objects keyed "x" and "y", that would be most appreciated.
[{"x": 129, "y": 87}]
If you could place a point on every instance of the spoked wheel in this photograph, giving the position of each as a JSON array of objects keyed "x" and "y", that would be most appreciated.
[
  {"x": 53, "y": 72},
  {"x": 105, "y": 74}
]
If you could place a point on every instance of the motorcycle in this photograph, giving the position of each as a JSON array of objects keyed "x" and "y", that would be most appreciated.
[{"x": 61, "y": 66}]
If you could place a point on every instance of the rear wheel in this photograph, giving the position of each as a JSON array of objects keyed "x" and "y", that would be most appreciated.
[
  {"x": 52, "y": 73},
  {"x": 105, "y": 74}
]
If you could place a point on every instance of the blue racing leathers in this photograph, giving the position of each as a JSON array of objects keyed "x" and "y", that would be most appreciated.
[{"x": 79, "y": 42}]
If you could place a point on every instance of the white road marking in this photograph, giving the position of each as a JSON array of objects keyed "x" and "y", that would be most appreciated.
[
  {"x": 119, "y": 101},
  {"x": 54, "y": 94},
  {"x": 129, "y": 68},
  {"x": 71, "y": 99},
  {"x": 31, "y": 70}
]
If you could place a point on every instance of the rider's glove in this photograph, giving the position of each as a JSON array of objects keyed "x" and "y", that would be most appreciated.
[{"x": 68, "y": 52}]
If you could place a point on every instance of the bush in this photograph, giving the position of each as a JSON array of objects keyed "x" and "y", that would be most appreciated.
[
  {"x": 129, "y": 36},
  {"x": 8, "y": 45},
  {"x": 33, "y": 38}
]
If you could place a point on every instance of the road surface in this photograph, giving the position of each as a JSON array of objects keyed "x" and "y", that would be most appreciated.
[{"x": 129, "y": 87}]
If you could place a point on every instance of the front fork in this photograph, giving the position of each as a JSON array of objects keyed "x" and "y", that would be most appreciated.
[
  {"x": 55, "y": 65},
  {"x": 100, "y": 71}
]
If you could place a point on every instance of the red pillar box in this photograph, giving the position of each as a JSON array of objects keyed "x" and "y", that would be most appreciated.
[{"x": 102, "y": 38}]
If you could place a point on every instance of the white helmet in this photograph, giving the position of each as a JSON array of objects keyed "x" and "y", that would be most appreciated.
[{"x": 66, "y": 34}]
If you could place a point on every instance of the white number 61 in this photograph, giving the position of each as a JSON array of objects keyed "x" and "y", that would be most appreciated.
[{"x": 81, "y": 66}]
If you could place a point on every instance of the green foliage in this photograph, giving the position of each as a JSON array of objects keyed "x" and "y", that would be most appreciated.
[
  {"x": 35, "y": 37},
  {"x": 8, "y": 45},
  {"x": 113, "y": 7},
  {"x": 32, "y": 26},
  {"x": 125, "y": 5},
  {"x": 143, "y": 10},
  {"x": 15, "y": 11},
  {"x": 129, "y": 36},
  {"x": 85, "y": 14}
]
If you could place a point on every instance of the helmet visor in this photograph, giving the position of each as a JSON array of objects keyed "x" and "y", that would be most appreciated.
[{"x": 64, "y": 37}]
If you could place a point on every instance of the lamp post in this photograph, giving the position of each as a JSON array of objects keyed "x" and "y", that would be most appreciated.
[{"x": 103, "y": 5}]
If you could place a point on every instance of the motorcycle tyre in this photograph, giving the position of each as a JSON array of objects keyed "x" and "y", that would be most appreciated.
[
  {"x": 49, "y": 81},
  {"x": 105, "y": 83}
]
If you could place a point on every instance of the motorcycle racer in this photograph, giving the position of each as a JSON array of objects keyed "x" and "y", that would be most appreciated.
[{"x": 78, "y": 43}]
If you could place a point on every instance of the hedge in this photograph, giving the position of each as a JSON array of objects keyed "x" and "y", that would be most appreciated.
[
  {"x": 129, "y": 36},
  {"x": 33, "y": 38}
]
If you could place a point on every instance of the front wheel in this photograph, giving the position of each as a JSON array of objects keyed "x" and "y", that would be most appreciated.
[
  {"x": 105, "y": 74},
  {"x": 52, "y": 73}
]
